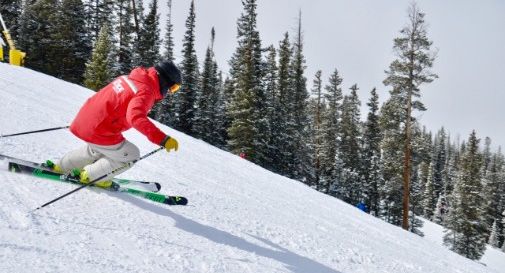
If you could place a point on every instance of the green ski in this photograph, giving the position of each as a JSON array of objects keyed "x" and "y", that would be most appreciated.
[{"x": 41, "y": 173}]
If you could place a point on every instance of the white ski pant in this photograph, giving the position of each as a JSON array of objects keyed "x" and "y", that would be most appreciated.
[{"x": 99, "y": 160}]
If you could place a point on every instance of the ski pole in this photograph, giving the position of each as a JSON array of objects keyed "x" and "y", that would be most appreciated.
[
  {"x": 36, "y": 131},
  {"x": 99, "y": 178}
]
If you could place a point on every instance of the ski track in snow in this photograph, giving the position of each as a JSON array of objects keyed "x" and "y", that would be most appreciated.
[{"x": 240, "y": 218}]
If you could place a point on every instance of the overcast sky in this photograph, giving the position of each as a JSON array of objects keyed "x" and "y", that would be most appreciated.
[{"x": 356, "y": 37}]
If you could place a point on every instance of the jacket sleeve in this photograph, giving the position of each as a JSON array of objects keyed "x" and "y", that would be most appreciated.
[{"x": 136, "y": 115}]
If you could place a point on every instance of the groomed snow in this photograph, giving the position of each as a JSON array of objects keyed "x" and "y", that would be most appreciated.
[{"x": 241, "y": 218}]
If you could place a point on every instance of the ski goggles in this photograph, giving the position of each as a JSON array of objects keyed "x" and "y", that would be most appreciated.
[{"x": 174, "y": 88}]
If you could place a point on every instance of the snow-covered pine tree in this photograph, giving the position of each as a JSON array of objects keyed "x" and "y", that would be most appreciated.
[
  {"x": 298, "y": 110},
  {"x": 283, "y": 137},
  {"x": 149, "y": 41},
  {"x": 429, "y": 196},
  {"x": 98, "y": 69},
  {"x": 186, "y": 97},
  {"x": 70, "y": 39},
  {"x": 225, "y": 119},
  {"x": 441, "y": 210},
  {"x": 126, "y": 37},
  {"x": 486, "y": 156},
  {"x": 466, "y": 222},
  {"x": 99, "y": 13},
  {"x": 494, "y": 190},
  {"x": 421, "y": 159},
  {"x": 422, "y": 177},
  {"x": 416, "y": 190},
  {"x": 317, "y": 108},
  {"x": 391, "y": 118},
  {"x": 503, "y": 232},
  {"x": 406, "y": 74},
  {"x": 350, "y": 138},
  {"x": 372, "y": 176},
  {"x": 220, "y": 136},
  {"x": 165, "y": 110},
  {"x": 208, "y": 97},
  {"x": 11, "y": 12},
  {"x": 169, "y": 40},
  {"x": 493, "y": 236},
  {"x": 415, "y": 224},
  {"x": 438, "y": 164},
  {"x": 273, "y": 108},
  {"x": 37, "y": 24},
  {"x": 247, "y": 109},
  {"x": 330, "y": 129},
  {"x": 453, "y": 172},
  {"x": 451, "y": 166}
]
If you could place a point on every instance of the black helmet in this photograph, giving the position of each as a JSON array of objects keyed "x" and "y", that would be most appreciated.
[{"x": 168, "y": 75}]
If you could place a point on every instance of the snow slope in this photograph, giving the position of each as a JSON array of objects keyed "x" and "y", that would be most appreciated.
[
  {"x": 493, "y": 258},
  {"x": 241, "y": 218}
]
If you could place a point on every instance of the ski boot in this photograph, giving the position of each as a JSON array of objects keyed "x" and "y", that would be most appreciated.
[
  {"x": 83, "y": 178},
  {"x": 52, "y": 166}
]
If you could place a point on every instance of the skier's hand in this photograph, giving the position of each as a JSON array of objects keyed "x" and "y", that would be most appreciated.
[{"x": 170, "y": 143}]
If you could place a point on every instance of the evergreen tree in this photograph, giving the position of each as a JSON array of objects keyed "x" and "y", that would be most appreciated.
[
  {"x": 493, "y": 237},
  {"x": 126, "y": 37},
  {"x": 503, "y": 232},
  {"x": 220, "y": 135},
  {"x": 494, "y": 190},
  {"x": 38, "y": 24},
  {"x": 416, "y": 188},
  {"x": 98, "y": 69},
  {"x": 466, "y": 223},
  {"x": 350, "y": 150},
  {"x": 422, "y": 177},
  {"x": 441, "y": 210},
  {"x": 372, "y": 136},
  {"x": 454, "y": 170},
  {"x": 273, "y": 109},
  {"x": 208, "y": 98},
  {"x": 298, "y": 110},
  {"x": 70, "y": 40},
  {"x": 486, "y": 156},
  {"x": 11, "y": 13},
  {"x": 165, "y": 110},
  {"x": 138, "y": 19},
  {"x": 149, "y": 41},
  {"x": 283, "y": 137},
  {"x": 451, "y": 168},
  {"x": 169, "y": 40},
  {"x": 186, "y": 97},
  {"x": 391, "y": 118},
  {"x": 405, "y": 75},
  {"x": 330, "y": 129},
  {"x": 318, "y": 105},
  {"x": 99, "y": 13},
  {"x": 439, "y": 163},
  {"x": 226, "y": 97},
  {"x": 247, "y": 109},
  {"x": 421, "y": 160},
  {"x": 429, "y": 195}
]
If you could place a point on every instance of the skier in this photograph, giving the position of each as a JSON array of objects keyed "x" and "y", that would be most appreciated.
[
  {"x": 119, "y": 106},
  {"x": 362, "y": 206}
]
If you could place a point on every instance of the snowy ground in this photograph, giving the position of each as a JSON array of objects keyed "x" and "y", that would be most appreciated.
[
  {"x": 493, "y": 258},
  {"x": 241, "y": 218}
]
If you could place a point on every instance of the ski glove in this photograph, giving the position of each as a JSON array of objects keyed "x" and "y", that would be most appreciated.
[{"x": 170, "y": 143}]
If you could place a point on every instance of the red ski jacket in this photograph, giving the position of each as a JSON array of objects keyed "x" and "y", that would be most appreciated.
[{"x": 119, "y": 106}]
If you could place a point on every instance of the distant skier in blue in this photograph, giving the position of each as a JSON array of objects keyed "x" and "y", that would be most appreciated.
[{"x": 362, "y": 206}]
